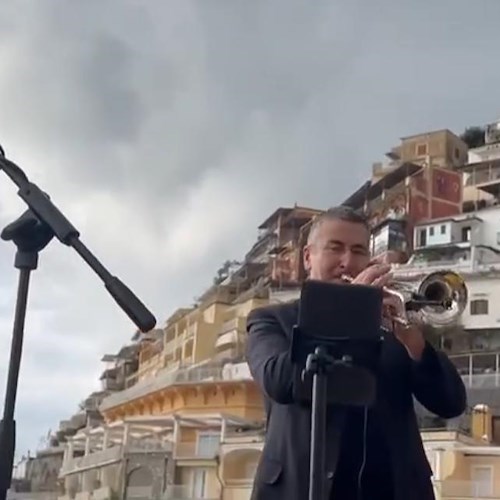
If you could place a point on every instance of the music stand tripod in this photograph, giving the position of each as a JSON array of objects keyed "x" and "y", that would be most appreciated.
[
  {"x": 31, "y": 233},
  {"x": 334, "y": 341}
]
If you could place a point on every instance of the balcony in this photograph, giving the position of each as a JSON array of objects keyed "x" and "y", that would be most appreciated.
[
  {"x": 173, "y": 344},
  {"x": 114, "y": 454},
  {"x": 97, "y": 459},
  {"x": 382, "y": 168},
  {"x": 191, "y": 450},
  {"x": 475, "y": 363},
  {"x": 482, "y": 381},
  {"x": 480, "y": 370},
  {"x": 421, "y": 268},
  {"x": 227, "y": 340},
  {"x": 166, "y": 378},
  {"x": 184, "y": 492},
  {"x": 131, "y": 380},
  {"x": 461, "y": 490},
  {"x": 112, "y": 384},
  {"x": 231, "y": 325}
]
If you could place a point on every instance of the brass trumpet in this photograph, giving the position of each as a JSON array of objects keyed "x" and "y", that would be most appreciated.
[{"x": 440, "y": 298}]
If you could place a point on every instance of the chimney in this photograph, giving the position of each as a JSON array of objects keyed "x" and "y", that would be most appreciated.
[{"x": 482, "y": 423}]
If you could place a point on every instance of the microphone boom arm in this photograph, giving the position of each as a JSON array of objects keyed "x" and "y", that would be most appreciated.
[
  {"x": 31, "y": 233},
  {"x": 47, "y": 213}
]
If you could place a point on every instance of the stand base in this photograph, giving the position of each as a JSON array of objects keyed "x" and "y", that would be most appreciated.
[
  {"x": 30, "y": 236},
  {"x": 7, "y": 447}
]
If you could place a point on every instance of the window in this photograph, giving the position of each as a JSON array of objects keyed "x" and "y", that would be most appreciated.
[
  {"x": 431, "y": 231},
  {"x": 443, "y": 229},
  {"x": 199, "y": 481},
  {"x": 482, "y": 480},
  {"x": 421, "y": 149},
  {"x": 478, "y": 307},
  {"x": 466, "y": 233},
  {"x": 208, "y": 444},
  {"x": 441, "y": 185},
  {"x": 422, "y": 237}
]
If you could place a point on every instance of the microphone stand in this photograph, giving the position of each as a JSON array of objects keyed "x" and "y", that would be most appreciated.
[
  {"x": 31, "y": 233},
  {"x": 335, "y": 348}
]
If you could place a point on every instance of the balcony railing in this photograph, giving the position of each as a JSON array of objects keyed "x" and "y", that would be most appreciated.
[
  {"x": 420, "y": 267},
  {"x": 115, "y": 454},
  {"x": 172, "y": 345},
  {"x": 191, "y": 450},
  {"x": 424, "y": 267},
  {"x": 227, "y": 340},
  {"x": 476, "y": 362},
  {"x": 166, "y": 378},
  {"x": 230, "y": 325},
  {"x": 37, "y": 495},
  {"x": 131, "y": 379},
  {"x": 139, "y": 445},
  {"x": 184, "y": 492},
  {"x": 458, "y": 490},
  {"x": 138, "y": 492},
  {"x": 482, "y": 381},
  {"x": 97, "y": 459}
]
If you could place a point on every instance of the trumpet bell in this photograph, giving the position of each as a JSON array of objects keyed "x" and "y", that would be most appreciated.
[{"x": 449, "y": 291}]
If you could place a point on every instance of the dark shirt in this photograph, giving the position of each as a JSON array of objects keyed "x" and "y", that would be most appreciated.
[{"x": 374, "y": 480}]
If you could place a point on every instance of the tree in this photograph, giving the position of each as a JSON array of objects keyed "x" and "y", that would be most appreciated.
[
  {"x": 473, "y": 137},
  {"x": 224, "y": 270}
]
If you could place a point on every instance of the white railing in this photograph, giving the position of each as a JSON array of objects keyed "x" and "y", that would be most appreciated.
[
  {"x": 482, "y": 381},
  {"x": 424, "y": 267},
  {"x": 96, "y": 459},
  {"x": 458, "y": 490},
  {"x": 139, "y": 492},
  {"x": 419, "y": 267},
  {"x": 183, "y": 492},
  {"x": 229, "y": 326},
  {"x": 172, "y": 345},
  {"x": 12, "y": 495},
  {"x": 191, "y": 450},
  {"x": 226, "y": 339},
  {"x": 164, "y": 379},
  {"x": 115, "y": 454},
  {"x": 140, "y": 445}
]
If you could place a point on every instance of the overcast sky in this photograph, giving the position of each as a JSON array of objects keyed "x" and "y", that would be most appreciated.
[{"x": 155, "y": 126}]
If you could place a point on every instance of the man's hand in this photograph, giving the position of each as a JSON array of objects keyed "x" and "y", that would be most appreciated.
[
  {"x": 378, "y": 275},
  {"x": 410, "y": 336}
]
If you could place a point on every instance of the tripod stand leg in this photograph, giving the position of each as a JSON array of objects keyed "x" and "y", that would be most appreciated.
[
  {"x": 8, "y": 425},
  {"x": 318, "y": 436}
]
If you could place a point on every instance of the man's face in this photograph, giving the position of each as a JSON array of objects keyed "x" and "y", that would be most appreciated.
[{"x": 338, "y": 247}]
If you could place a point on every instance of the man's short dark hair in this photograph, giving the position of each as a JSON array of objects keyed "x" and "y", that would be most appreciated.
[{"x": 341, "y": 212}]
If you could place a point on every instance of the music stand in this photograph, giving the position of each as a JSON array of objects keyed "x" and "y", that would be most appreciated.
[{"x": 338, "y": 336}]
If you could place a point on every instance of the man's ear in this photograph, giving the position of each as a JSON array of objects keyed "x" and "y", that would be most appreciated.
[{"x": 306, "y": 258}]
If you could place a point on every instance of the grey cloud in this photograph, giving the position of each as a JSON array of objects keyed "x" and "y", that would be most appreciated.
[{"x": 168, "y": 131}]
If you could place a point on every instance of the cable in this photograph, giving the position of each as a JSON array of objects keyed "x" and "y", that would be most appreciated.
[{"x": 363, "y": 463}]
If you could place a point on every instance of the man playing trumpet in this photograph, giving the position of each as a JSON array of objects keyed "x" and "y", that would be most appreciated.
[{"x": 378, "y": 453}]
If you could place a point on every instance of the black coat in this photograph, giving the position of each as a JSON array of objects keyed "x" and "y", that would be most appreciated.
[{"x": 283, "y": 470}]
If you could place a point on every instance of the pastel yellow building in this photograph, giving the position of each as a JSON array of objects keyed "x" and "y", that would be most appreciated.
[
  {"x": 466, "y": 465},
  {"x": 192, "y": 394}
]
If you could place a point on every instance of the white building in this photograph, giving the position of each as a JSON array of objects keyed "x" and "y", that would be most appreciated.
[
  {"x": 473, "y": 230},
  {"x": 468, "y": 244},
  {"x": 20, "y": 470},
  {"x": 491, "y": 149}
]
